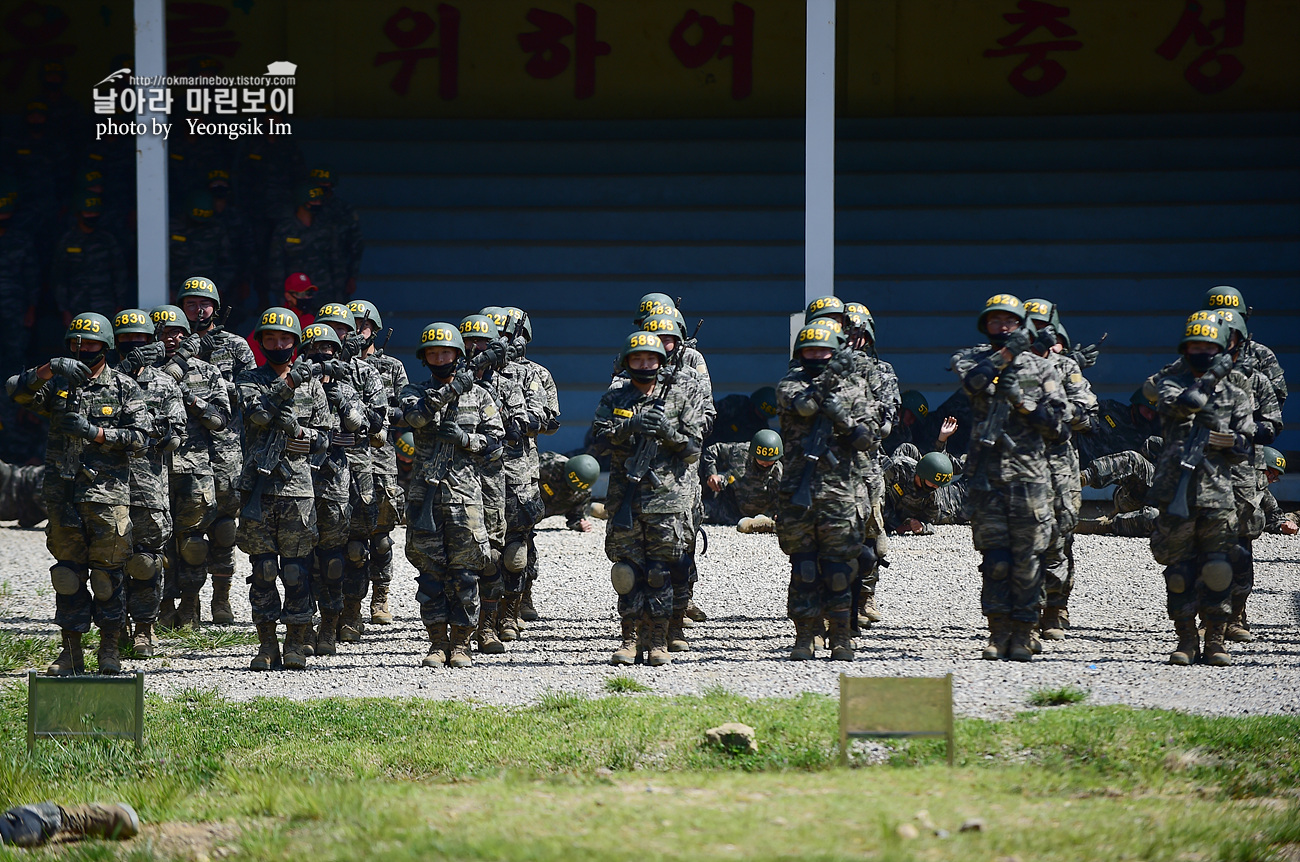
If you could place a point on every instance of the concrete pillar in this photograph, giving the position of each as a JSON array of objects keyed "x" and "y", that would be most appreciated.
[
  {"x": 151, "y": 160},
  {"x": 819, "y": 151}
]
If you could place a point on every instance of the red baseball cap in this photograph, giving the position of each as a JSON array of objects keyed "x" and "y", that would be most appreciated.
[{"x": 298, "y": 282}]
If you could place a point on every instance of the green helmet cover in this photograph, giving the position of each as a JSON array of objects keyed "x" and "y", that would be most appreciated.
[
  {"x": 915, "y": 402},
  {"x": 479, "y": 326},
  {"x": 321, "y": 332},
  {"x": 1204, "y": 326},
  {"x": 935, "y": 467},
  {"x": 364, "y": 308},
  {"x": 440, "y": 334},
  {"x": 581, "y": 472},
  {"x": 642, "y": 342},
  {"x": 91, "y": 327},
  {"x": 820, "y": 333},
  {"x": 277, "y": 318},
  {"x": 406, "y": 444},
  {"x": 822, "y": 306},
  {"x": 134, "y": 321},
  {"x": 1225, "y": 296},
  {"x": 337, "y": 312},
  {"x": 1000, "y": 302},
  {"x": 766, "y": 446},
  {"x": 764, "y": 401},
  {"x": 1273, "y": 459},
  {"x": 198, "y": 285}
]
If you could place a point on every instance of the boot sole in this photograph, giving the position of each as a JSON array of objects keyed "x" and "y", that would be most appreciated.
[
  {"x": 496, "y": 648},
  {"x": 1053, "y": 635},
  {"x": 381, "y": 621},
  {"x": 622, "y": 661},
  {"x": 1181, "y": 660},
  {"x": 681, "y": 646}
]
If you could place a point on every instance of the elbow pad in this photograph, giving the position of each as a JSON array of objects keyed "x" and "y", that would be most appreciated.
[
  {"x": 860, "y": 439},
  {"x": 885, "y": 428},
  {"x": 212, "y": 419},
  {"x": 261, "y": 418},
  {"x": 805, "y": 404},
  {"x": 352, "y": 419},
  {"x": 170, "y": 443},
  {"x": 416, "y": 418},
  {"x": 979, "y": 377},
  {"x": 1265, "y": 433}
]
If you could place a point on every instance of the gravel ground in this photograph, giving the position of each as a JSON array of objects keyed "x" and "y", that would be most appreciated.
[{"x": 1116, "y": 650}]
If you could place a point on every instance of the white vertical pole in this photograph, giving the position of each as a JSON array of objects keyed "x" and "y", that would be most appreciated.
[
  {"x": 151, "y": 160},
  {"x": 819, "y": 154}
]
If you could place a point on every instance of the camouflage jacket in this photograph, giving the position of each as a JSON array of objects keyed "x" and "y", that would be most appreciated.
[
  {"x": 559, "y": 497},
  {"x": 737, "y": 421},
  {"x": 904, "y": 499},
  {"x": 205, "y": 383},
  {"x": 1113, "y": 431},
  {"x": 331, "y": 470},
  {"x": 232, "y": 356},
  {"x": 292, "y": 476},
  {"x": 20, "y": 494},
  {"x": 296, "y": 247},
  {"x": 201, "y": 246},
  {"x": 839, "y": 481},
  {"x": 1130, "y": 472},
  {"x": 149, "y": 482},
  {"x": 537, "y": 406},
  {"x": 88, "y": 273},
  {"x": 753, "y": 487},
  {"x": 457, "y": 472},
  {"x": 1021, "y": 453},
  {"x": 1229, "y": 409},
  {"x": 886, "y": 390},
  {"x": 675, "y": 462},
  {"x": 364, "y": 379},
  {"x": 345, "y": 230},
  {"x": 1265, "y": 362},
  {"x": 392, "y": 374},
  {"x": 508, "y": 396},
  {"x": 98, "y": 472}
]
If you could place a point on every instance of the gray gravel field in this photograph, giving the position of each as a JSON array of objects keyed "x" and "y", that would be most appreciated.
[{"x": 1116, "y": 650}]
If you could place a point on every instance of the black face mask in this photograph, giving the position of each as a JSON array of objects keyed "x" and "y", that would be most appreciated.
[
  {"x": 278, "y": 357},
  {"x": 442, "y": 372},
  {"x": 1199, "y": 362},
  {"x": 319, "y": 358},
  {"x": 814, "y": 366},
  {"x": 643, "y": 375},
  {"x": 90, "y": 221},
  {"x": 92, "y": 360},
  {"x": 999, "y": 339},
  {"x": 202, "y": 321}
]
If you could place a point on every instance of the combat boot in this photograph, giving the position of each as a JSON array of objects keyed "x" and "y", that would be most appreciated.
[
  {"x": 1093, "y": 527},
  {"x": 489, "y": 643},
  {"x": 658, "y": 643},
  {"x": 508, "y": 617},
  {"x": 268, "y": 648},
  {"x": 527, "y": 612},
  {"x": 626, "y": 653},
  {"x": 117, "y": 821},
  {"x": 841, "y": 641},
  {"x": 187, "y": 612},
  {"x": 167, "y": 614},
  {"x": 221, "y": 612},
  {"x": 350, "y": 625},
  {"x": 820, "y": 641},
  {"x": 379, "y": 613},
  {"x": 597, "y": 511},
  {"x": 1050, "y": 624},
  {"x": 867, "y": 612},
  {"x": 71, "y": 659},
  {"x": 142, "y": 642},
  {"x": 1189, "y": 643},
  {"x": 676, "y": 637},
  {"x": 110, "y": 660},
  {"x": 694, "y": 613},
  {"x": 327, "y": 635},
  {"x": 999, "y": 637},
  {"x": 295, "y": 658},
  {"x": 803, "y": 649},
  {"x": 1216, "y": 652},
  {"x": 439, "y": 645},
  {"x": 1238, "y": 630},
  {"x": 460, "y": 656},
  {"x": 1021, "y": 647},
  {"x": 642, "y": 638}
]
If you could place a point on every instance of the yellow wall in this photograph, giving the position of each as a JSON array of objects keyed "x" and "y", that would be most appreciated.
[{"x": 896, "y": 57}]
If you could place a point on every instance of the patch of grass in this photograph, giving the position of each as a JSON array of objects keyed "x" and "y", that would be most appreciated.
[
  {"x": 624, "y": 685},
  {"x": 1062, "y": 696},
  {"x": 204, "y": 639},
  {"x": 19, "y": 652}
]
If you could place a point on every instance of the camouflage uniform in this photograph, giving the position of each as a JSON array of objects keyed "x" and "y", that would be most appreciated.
[
  {"x": 540, "y": 392},
  {"x": 345, "y": 228},
  {"x": 364, "y": 378},
  {"x": 1131, "y": 472},
  {"x": 559, "y": 497},
  {"x": 508, "y": 399},
  {"x": 19, "y": 291},
  {"x": 1118, "y": 428},
  {"x": 89, "y": 531},
  {"x": 280, "y": 544},
  {"x": 390, "y": 497},
  {"x": 151, "y": 518},
  {"x": 232, "y": 356},
  {"x": 201, "y": 245},
  {"x": 1196, "y": 550},
  {"x": 295, "y": 247},
  {"x": 904, "y": 499},
  {"x": 749, "y": 491},
  {"x": 334, "y": 482},
  {"x": 656, "y": 547},
  {"x": 20, "y": 494},
  {"x": 1250, "y": 483},
  {"x": 88, "y": 273},
  {"x": 193, "y": 491},
  {"x": 1274, "y": 517},
  {"x": 447, "y": 539},
  {"x": 825, "y": 541},
  {"x": 1063, "y": 461},
  {"x": 1264, "y": 360},
  {"x": 737, "y": 421},
  {"x": 1010, "y": 486},
  {"x": 522, "y": 415}
]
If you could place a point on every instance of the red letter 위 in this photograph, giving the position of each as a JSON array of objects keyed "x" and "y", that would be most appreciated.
[{"x": 408, "y": 29}]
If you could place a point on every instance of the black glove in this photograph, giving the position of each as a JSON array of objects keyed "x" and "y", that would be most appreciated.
[
  {"x": 1044, "y": 421},
  {"x": 833, "y": 407},
  {"x": 514, "y": 432},
  {"x": 170, "y": 443},
  {"x": 552, "y": 425},
  {"x": 451, "y": 431},
  {"x": 461, "y": 381},
  {"x": 1193, "y": 399},
  {"x": 648, "y": 421},
  {"x": 841, "y": 363},
  {"x": 1218, "y": 370},
  {"x": 493, "y": 450},
  {"x": 285, "y": 421},
  {"x": 497, "y": 352},
  {"x": 1265, "y": 433},
  {"x": 300, "y": 371},
  {"x": 74, "y": 371},
  {"x": 144, "y": 356},
  {"x": 1018, "y": 341},
  {"x": 207, "y": 343},
  {"x": 76, "y": 425},
  {"x": 333, "y": 395},
  {"x": 355, "y": 343},
  {"x": 1087, "y": 355},
  {"x": 189, "y": 347},
  {"x": 1045, "y": 340}
]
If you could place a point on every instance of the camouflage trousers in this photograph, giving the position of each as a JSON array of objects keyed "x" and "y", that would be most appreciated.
[
  {"x": 20, "y": 494},
  {"x": 830, "y": 529},
  {"x": 1135, "y": 525},
  {"x": 1067, "y": 500},
  {"x": 280, "y": 548},
  {"x": 222, "y": 534},
  {"x": 524, "y": 508},
  {"x": 332, "y": 524},
  {"x": 362, "y": 525},
  {"x": 1011, "y": 525},
  {"x": 655, "y": 546},
  {"x": 194, "y": 506},
  {"x": 450, "y": 557},
  {"x": 390, "y": 503},
  {"x": 1197, "y": 555},
  {"x": 89, "y": 541},
  {"x": 1249, "y": 498},
  {"x": 721, "y": 507},
  {"x": 151, "y": 531}
]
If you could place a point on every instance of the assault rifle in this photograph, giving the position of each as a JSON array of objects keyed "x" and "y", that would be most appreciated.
[
  {"x": 1194, "y": 447},
  {"x": 640, "y": 467},
  {"x": 71, "y": 465},
  {"x": 268, "y": 460},
  {"x": 817, "y": 445}
]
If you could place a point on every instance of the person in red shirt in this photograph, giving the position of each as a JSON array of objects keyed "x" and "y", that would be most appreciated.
[{"x": 298, "y": 295}]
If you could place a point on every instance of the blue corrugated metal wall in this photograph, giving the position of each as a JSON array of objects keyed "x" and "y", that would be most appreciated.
[{"x": 1124, "y": 221}]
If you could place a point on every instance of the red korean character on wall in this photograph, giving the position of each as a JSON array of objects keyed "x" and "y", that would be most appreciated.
[
  {"x": 551, "y": 56},
  {"x": 35, "y": 27},
  {"x": 1035, "y": 14},
  {"x": 1211, "y": 71},
  {"x": 409, "y": 31},
  {"x": 713, "y": 42}
]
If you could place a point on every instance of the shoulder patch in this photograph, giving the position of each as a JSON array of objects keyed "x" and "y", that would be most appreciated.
[
  {"x": 490, "y": 409},
  {"x": 1049, "y": 385},
  {"x": 547, "y": 489},
  {"x": 1109, "y": 421},
  {"x": 622, "y": 413},
  {"x": 1076, "y": 377},
  {"x": 898, "y": 489}
]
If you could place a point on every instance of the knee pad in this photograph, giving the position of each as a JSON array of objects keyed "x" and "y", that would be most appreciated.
[
  {"x": 1242, "y": 557},
  {"x": 803, "y": 568},
  {"x": 1177, "y": 577},
  {"x": 358, "y": 551},
  {"x": 683, "y": 568},
  {"x": 997, "y": 563},
  {"x": 382, "y": 545},
  {"x": 1216, "y": 572},
  {"x": 222, "y": 532},
  {"x": 101, "y": 585},
  {"x": 265, "y": 570},
  {"x": 144, "y": 566},
  {"x": 331, "y": 563},
  {"x": 66, "y": 577},
  {"x": 657, "y": 574},
  {"x": 838, "y": 574},
  {"x": 882, "y": 546},
  {"x": 623, "y": 576},
  {"x": 868, "y": 559},
  {"x": 297, "y": 571},
  {"x": 515, "y": 558},
  {"x": 193, "y": 550}
]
